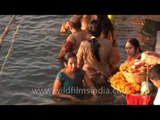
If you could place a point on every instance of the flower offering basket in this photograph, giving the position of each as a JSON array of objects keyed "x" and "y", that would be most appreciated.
[{"x": 135, "y": 77}]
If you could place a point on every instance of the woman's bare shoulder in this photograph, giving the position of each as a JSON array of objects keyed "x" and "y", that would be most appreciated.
[{"x": 62, "y": 70}]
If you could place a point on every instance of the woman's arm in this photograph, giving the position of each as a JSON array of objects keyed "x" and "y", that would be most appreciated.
[
  {"x": 64, "y": 27},
  {"x": 57, "y": 93},
  {"x": 150, "y": 57},
  {"x": 66, "y": 47},
  {"x": 111, "y": 57},
  {"x": 90, "y": 84},
  {"x": 80, "y": 55}
]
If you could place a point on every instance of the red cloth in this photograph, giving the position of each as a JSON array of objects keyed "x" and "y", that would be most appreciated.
[
  {"x": 67, "y": 47},
  {"x": 129, "y": 58},
  {"x": 137, "y": 99}
]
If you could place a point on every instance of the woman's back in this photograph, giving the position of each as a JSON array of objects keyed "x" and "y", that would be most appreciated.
[
  {"x": 91, "y": 65},
  {"x": 95, "y": 55}
]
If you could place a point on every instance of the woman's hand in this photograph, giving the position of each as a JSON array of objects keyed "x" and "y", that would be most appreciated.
[
  {"x": 94, "y": 94},
  {"x": 150, "y": 57},
  {"x": 74, "y": 99}
]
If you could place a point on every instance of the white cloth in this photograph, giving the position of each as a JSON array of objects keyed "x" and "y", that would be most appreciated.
[
  {"x": 146, "y": 87},
  {"x": 157, "y": 98}
]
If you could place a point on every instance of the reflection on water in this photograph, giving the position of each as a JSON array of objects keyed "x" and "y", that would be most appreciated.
[{"x": 32, "y": 64}]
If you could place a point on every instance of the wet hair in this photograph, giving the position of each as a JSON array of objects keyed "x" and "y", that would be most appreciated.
[
  {"x": 95, "y": 48},
  {"x": 106, "y": 23},
  {"x": 106, "y": 26},
  {"x": 76, "y": 24},
  {"x": 154, "y": 72},
  {"x": 67, "y": 56},
  {"x": 95, "y": 30},
  {"x": 135, "y": 44}
]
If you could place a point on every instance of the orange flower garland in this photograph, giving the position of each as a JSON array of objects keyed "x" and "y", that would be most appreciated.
[
  {"x": 134, "y": 66},
  {"x": 119, "y": 82},
  {"x": 129, "y": 86}
]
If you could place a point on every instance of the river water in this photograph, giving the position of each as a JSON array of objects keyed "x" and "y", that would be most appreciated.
[{"x": 32, "y": 64}]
